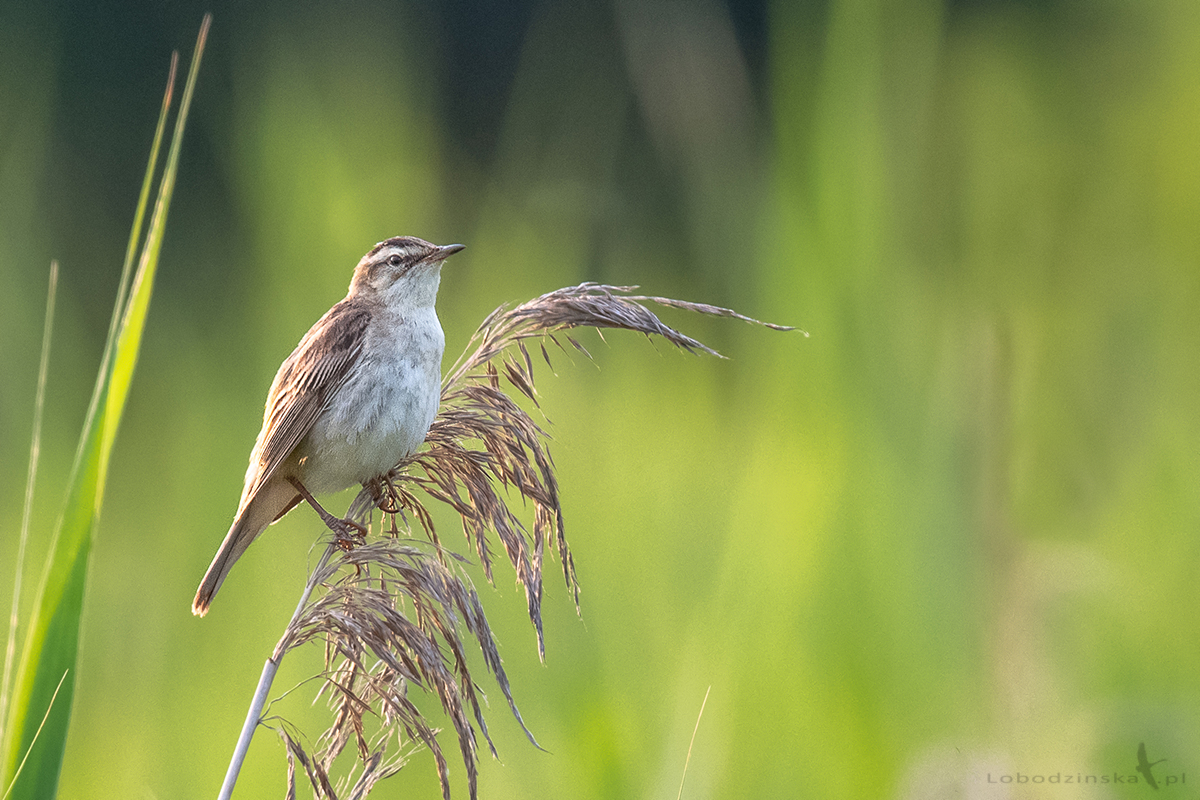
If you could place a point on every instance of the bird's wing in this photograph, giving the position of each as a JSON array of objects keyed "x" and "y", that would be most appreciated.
[{"x": 302, "y": 388}]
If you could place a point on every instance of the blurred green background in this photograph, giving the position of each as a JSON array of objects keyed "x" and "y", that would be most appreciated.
[{"x": 949, "y": 539}]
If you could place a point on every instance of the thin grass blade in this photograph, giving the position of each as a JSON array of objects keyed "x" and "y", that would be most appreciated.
[
  {"x": 36, "y": 734},
  {"x": 133, "y": 324},
  {"x": 52, "y": 641},
  {"x": 39, "y": 403}
]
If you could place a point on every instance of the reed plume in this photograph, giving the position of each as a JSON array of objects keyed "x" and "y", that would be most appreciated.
[{"x": 394, "y": 613}]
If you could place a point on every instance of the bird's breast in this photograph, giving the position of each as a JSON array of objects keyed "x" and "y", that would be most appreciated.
[{"x": 382, "y": 412}]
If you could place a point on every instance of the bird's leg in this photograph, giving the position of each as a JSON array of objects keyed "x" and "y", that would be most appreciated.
[{"x": 341, "y": 527}]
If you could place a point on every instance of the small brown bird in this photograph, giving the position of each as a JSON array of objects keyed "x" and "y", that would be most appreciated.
[{"x": 356, "y": 396}]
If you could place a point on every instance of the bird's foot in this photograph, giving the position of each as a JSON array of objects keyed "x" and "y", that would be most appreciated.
[
  {"x": 387, "y": 498},
  {"x": 384, "y": 494},
  {"x": 349, "y": 534}
]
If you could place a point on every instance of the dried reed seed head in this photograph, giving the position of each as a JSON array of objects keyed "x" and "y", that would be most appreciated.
[
  {"x": 375, "y": 649},
  {"x": 393, "y": 613}
]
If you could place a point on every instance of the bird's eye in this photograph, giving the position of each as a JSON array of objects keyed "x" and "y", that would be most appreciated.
[{"x": 394, "y": 260}]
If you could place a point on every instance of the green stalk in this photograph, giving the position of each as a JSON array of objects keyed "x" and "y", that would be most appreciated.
[
  {"x": 35, "y": 732},
  {"x": 35, "y": 448}
]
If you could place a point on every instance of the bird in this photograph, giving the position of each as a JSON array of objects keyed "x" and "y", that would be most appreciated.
[{"x": 355, "y": 397}]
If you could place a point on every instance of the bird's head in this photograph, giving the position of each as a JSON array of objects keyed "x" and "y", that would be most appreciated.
[{"x": 402, "y": 271}]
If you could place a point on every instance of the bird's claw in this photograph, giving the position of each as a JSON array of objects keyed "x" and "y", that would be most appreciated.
[
  {"x": 350, "y": 534},
  {"x": 384, "y": 494}
]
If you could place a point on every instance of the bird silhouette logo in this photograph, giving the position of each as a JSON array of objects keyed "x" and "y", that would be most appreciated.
[{"x": 1145, "y": 766}]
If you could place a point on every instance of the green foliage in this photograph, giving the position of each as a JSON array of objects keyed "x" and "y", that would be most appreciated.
[
  {"x": 35, "y": 732},
  {"x": 954, "y": 529}
]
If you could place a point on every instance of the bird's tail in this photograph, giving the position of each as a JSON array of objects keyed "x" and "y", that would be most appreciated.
[{"x": 252, "y": 519}]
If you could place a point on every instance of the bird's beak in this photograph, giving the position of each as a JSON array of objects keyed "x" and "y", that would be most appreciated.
[{"x": 447, "y": 250}]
